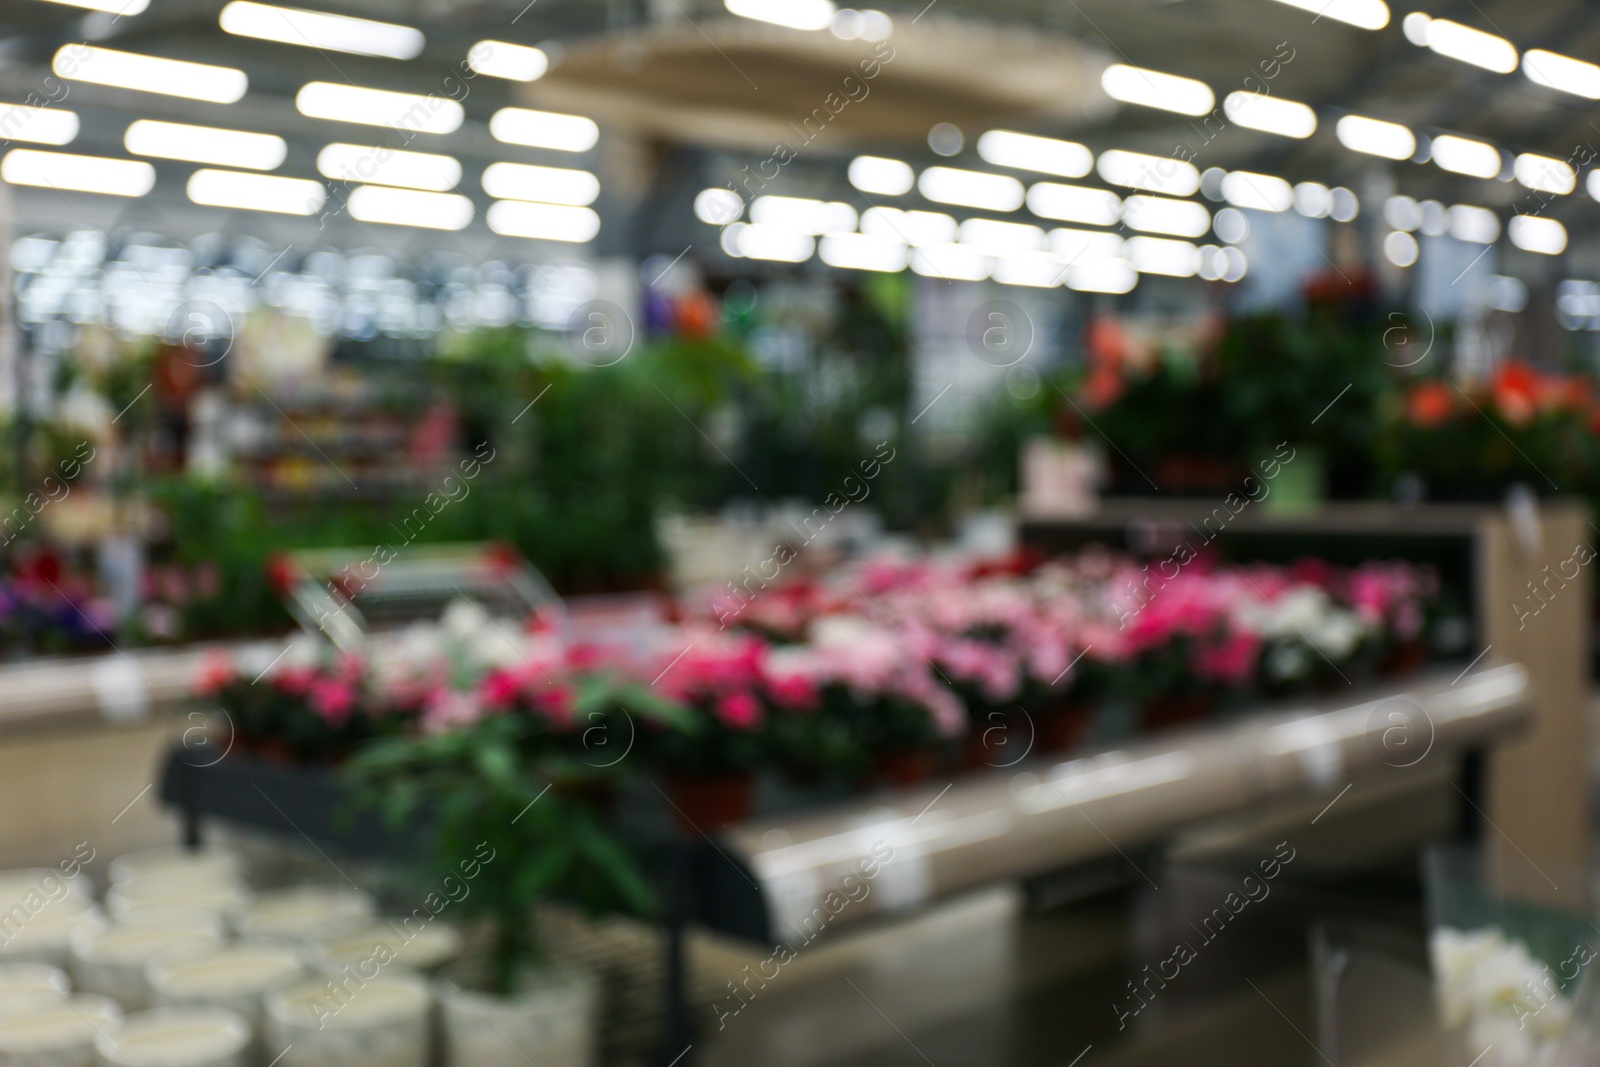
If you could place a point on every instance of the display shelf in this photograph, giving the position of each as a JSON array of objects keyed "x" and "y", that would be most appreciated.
[
  {"x": 766, "y": 880},
  {"x": 1536, "y": 791}
]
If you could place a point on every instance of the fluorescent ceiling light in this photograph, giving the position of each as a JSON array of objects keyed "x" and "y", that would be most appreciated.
[
  {"x": 916, "y": 228},
  {"x": 502, "y": 59},
  {"x": 114, "y": 7},
  {"x": 38, "y": 125},
  {"x": 1155, "y": 255},
  {"x": 1376, "y": 137},
  {"x": 1461, "y": 155},
  {"x": 320, "y": 30},
  {"x": 858, "y": 251},
  {"x": 205, "y": 144},
  {"x": 543, "y": 222},
  {"x": 408, "y": 207},
  {"x": 1545, "y": 173},
  {"x": 378, "y": 107},
  {"x": 801, "y": 215},
  {"x": 1364, "y": 14},
  {"x": 971, "y": 188},
  {"x": 1083, "y": 246},
  {"x": 1000, "y": 238},
  {"x": 1042, "y": 270},
  {"x": 1313, "y": 200},
  {"x": 1478, "y": 225},
  {"x": 256, "y": 192},
  {"x": 546, "y": 185},
  {"x": 1561, "y": 72},
  {"x": 82, "y": 174},
  {"x": 1160, "y": 174},
  {"x": 150, "y": 74},
  {"x": 1400, "y": 248},
  {"x": 1533, "y": 234},
  {"x": 718, "y": 207},
  {"x": 795, "y": 14},
  {"x": 1046, "y": 155},
  {"x": 1481, "y": 49},
  {"x": 1287, "y": 118},
  {"x": 544, "y": 129},
  {"x": 755, "y": 241},
  {"x": 1075, "y": 203},
  {"x": 1260, "y": 192},
  {"x": 375, "y": 165},
  {"x": 1103, "y": 276},
  {"x": 886, "y": 177},
  {"x": 952, "y": 263},
  {"x": 1151, "y": 88},
  {"x": 1158, "y": 214}
]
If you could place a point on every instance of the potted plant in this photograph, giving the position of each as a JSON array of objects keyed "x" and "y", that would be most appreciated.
[
  {"x": 501, "y": 821},
  {"x": 709, "y": 770}
]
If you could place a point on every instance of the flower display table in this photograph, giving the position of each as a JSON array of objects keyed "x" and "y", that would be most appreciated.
[{"x": 1532, "y": 594}]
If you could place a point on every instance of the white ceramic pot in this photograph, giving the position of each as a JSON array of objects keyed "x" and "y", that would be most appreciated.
[
  {"x": 552, "y": 1021},
  {"x": 177, "y": 1037},
  {"x": 352, "y": 1023},
  {"x": 62, "y": 1035},
  {"x": 47, "y": 936},
  {"x": 26, "y": 986},
  {"x": 304, "y": 915},
  {"x": 173, "y": 891},
  {"x": 111, "y": 960},
  {"x": 420, "y": 948},
  {"x": 39, "y": 884},
  {"x": 209, "y": 866},
  {"x": 235, "y": 977},
  {"x": 163, "y": 915}
]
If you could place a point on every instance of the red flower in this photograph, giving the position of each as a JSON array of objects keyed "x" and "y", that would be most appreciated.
[
  {"x": 1430, "y": 404},
  {"x": 1516, "y": 391},
  {"x": 739, "y": 711}
]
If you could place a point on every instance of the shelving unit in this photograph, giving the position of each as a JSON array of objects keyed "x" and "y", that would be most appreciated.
[
  {"x": 761, "y": 881},
  {"x": 1536, "y": 790}
]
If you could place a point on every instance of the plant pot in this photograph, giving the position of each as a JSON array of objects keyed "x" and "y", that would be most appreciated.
[
  {"x": 1175, "y": 709},
  {"x": 352, "y": 1021},
  {"x": 712, "y": 801},
  {"x": 61, "y": 1034},
  {"x": 552, "y": 1021},
  {"x": 178, "y": 1037},
  {"x": 1407, "y": 657},
  {"x": 905, "y": 767},
  {"x": 111, "y": 960},
  {"x": 1065, "y": 726}
]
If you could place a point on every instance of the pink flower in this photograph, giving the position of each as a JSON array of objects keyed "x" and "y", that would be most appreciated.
[
  {"x": 215, "y": 674},
  {"x": 557, "y": 703},
  {"x": 451, "y": 709},
  {"x": 333, "y": 699},
  {"x": 739, "y": 711}
]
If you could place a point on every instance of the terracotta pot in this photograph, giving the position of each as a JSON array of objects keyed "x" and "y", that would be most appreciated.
[
  {"x": 1405, "y": 658},
  {"x": 712, "y": 801},
  {"x": 905, "y": 766},
  {"x": 1175, "y": 709},
  {"x": 1065, "y": 726}
]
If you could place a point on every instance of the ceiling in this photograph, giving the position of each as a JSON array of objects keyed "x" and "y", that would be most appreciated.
[{"x": 688, "y": 73}]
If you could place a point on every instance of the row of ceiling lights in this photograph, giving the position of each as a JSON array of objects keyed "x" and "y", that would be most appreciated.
[{"x": 397, "y": 187}]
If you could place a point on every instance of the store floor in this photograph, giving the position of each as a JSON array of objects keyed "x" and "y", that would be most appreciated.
[
  {"x": 981, "y": 982},
  {"x": 987, "y": 981}
]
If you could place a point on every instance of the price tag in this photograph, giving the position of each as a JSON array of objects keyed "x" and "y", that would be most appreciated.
[{"x": 120, "y": 691}]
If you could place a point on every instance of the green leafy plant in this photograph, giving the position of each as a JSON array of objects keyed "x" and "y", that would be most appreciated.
[{"x": 533, "y": 819}]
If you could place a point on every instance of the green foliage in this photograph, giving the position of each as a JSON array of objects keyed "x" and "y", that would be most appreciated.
[{"x": 520, "y": 823}]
